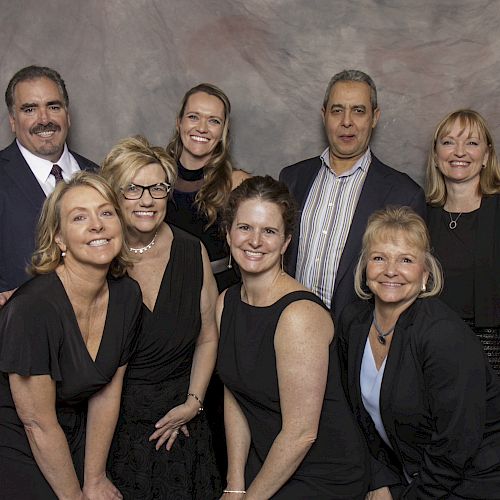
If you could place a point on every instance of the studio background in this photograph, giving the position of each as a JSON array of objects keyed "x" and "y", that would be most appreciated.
[{"x": 127, "y": 64}]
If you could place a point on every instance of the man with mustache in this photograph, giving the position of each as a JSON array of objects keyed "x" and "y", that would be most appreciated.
[
  {"x": 37, "y": 101},
  {"x": 338, "y": 191}
]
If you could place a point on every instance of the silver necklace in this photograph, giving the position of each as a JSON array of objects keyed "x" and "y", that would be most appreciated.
[
  {"x": 453, "y": 222},
  {"x": 151, "y": 244},
  {"x": 380, "y": 334}
]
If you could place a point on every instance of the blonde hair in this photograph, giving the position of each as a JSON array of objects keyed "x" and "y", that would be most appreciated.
[
  {"x": 128, "y": 156},
  {"x": 47, "y": 255},
  {"x": 217, "y": 185},
  {"x": 489, "y": 178},
  {"x": 384, "y": 224}
]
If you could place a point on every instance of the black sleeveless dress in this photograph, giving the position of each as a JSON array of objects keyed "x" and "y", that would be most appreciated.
[
  {"x": 157, "y": 380},
  {"x": 335, "y": 466}
]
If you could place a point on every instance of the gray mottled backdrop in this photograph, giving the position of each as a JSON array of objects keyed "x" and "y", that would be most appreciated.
[{"x": 127, "y": 64}]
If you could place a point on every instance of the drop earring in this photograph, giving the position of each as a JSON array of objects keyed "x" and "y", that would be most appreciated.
[
  {"x": 229, "y": 264},
  {"x": 282, "y": 265}
]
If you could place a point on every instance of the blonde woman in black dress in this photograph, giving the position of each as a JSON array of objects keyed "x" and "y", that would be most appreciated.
[{"x": 463, "y": 215}]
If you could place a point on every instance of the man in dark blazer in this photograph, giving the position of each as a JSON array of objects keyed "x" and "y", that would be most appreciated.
[
  {"x": 37, "y": 101},
  {"x": 337, "y": 192}
]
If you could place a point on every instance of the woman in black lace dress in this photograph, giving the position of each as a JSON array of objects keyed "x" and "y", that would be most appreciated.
[{"x": 162, "y": 447}]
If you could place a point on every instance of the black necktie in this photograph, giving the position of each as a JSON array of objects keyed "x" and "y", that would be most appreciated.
[{"x": 57, "y": 173}]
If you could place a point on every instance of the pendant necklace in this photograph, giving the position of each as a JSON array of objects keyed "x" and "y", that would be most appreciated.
[
  {"x": 453, "y": 222},
  {"x": 151, "y": 244},
  {"x": 380, "y": 334}
]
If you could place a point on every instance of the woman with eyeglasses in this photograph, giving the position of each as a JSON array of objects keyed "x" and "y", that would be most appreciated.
[{"x": 162, "y": 445}]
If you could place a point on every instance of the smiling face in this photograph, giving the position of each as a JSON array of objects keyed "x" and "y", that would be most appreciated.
[
  {"x": 91, "y": 232},
  {"x": 257, "y": 236},
  {"x": 39, "y": 118},
  {"x": 200, "y": 129},
  {"x": 461, "y": 153},
  {"x": 349, "y": 121},
  {"x": 146, "y": 214},
  {"x": 395, "y": 271}
]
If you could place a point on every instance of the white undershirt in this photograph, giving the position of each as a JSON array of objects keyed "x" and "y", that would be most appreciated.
[
  {"x": 370, "y": 381},
  {"x": 41, "y": 168}
]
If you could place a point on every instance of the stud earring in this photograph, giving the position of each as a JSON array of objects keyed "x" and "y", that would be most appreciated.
[{"x": 63, "y": 254}]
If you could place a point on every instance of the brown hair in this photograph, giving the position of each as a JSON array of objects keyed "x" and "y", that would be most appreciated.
[
  {"x": 489, "y": 179},
  {"x": 217, "y": 185},
  {"x": 383, "y": 224},
  {"x": 264, "y": 188},
  {"x": 47, "y": 255}
]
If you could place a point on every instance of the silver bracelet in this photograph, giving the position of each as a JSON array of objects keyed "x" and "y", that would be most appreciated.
[{"x": 235, "y": 491}]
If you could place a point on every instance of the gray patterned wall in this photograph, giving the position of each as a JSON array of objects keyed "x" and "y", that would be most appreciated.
[{"x": 127, "y": 64}]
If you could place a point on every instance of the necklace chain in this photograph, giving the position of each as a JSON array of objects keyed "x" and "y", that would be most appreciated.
[
  {"x": 151, "y": 244},
  {"x": 453, "y": 222},
  {"x": 380, "y": 334}
]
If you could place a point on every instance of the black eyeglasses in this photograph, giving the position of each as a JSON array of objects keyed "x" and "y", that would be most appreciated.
[{"x": 135, "y": 191}]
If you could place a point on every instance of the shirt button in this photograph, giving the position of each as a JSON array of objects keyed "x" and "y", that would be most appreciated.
[
  {"x": 330, "y": 204},
  {"x": 324, "y": 231}
]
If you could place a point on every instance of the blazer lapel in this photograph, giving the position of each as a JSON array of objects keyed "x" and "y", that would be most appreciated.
[
  {"x": 300, "y": 190},
  {"x": 486, "y": 296},
  {"x": 374, "y": 191},
  {"x": 22, "y": 176}
]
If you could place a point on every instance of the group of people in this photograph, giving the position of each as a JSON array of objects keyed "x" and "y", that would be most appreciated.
[{"x": 353, "y": 321}]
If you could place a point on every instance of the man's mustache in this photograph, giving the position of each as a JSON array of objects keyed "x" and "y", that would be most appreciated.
[{"x": 49, "y": 127}]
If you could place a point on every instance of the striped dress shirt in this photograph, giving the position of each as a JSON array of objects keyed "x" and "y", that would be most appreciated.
[{"x": 325, "y": 223}]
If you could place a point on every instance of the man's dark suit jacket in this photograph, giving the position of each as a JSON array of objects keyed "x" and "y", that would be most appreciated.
[
  {"x": 383, "y": 186},
  {"x": 439, "y": 403},
  {"x": 21, "y": 200}
]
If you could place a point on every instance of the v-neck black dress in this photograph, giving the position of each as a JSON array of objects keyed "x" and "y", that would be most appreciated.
[
  {"x": 335, "y": 465},
  {"x": 39, "y": 335},
  {"x": 157, "y": 380}
]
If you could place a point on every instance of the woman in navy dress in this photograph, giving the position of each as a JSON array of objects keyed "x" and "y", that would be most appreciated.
[
  {"x": 65, "y": 339},
  {"x": 200, "y": 146},
  {"x": 290, "y": 432}
]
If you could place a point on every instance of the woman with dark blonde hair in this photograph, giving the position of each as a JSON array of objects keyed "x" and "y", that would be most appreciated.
[
  {"x": 65, "y": 339},
  {"x": 417, "y": 379},
  {"x": 162, "y": 446},
  {"x": 463, "y": 196},
  {"x": 206, "y": 176}
]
